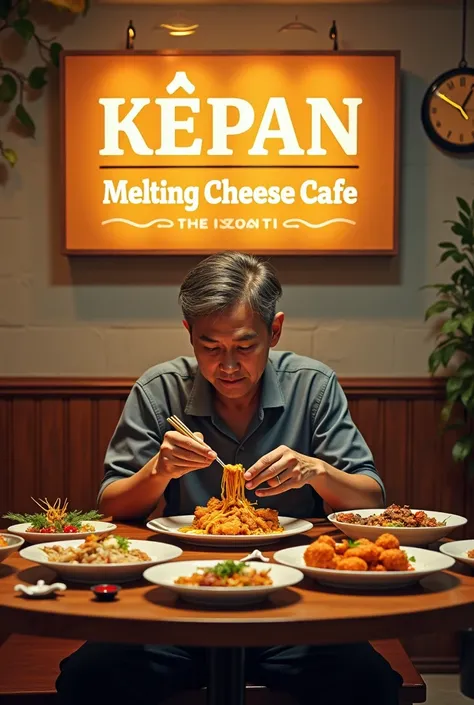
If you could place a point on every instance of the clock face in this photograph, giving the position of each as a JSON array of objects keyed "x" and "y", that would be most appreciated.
[{"x": 447, "y": 111}]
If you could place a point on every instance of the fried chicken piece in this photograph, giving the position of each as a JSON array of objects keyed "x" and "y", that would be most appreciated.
[
  {"x": 369, "y": 552},
  {"x": 229, "y": 527},
  {"x": 319, "y": 555},
  {"x": 342, "y": 546},
  {"x": 268, "y": 514},
  {"x": 352, "y": 563},
  {"x": 364, "y": 542},
  {"x": 395, "y": 559},
  {"x": 387, "y": 541},
  {"x": 270, "y": 517},
  {"x": 377, "y": 567},
  {"x": 324, "y": 538},
  {"x": 199, "y": 512}
]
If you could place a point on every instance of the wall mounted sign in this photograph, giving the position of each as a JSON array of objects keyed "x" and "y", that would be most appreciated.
[{"x": 271, "y": 152}]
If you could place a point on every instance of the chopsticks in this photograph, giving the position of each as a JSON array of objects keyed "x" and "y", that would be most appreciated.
[{"x": 182, "y": 428}]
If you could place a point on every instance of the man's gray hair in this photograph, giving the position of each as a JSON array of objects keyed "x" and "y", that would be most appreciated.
[{"x": 226, "y": 279}]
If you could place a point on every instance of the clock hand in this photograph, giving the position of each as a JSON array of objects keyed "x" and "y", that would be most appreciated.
[
  {"x": 451, "y": 102},
  {"x": 467, "y": 97}
]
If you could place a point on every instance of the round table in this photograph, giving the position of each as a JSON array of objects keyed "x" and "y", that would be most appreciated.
[{"x": 304, "y": 614}]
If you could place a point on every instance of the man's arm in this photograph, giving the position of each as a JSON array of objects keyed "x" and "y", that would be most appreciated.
[
  {"x": 341, "y": 468},
  {"x": 140, "y": 462},
  {"x": 345, "y": 475},
  {"x": 131, "y": 488}
]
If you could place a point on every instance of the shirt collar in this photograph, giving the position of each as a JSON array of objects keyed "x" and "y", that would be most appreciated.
[{"x": 200, "y": 402}]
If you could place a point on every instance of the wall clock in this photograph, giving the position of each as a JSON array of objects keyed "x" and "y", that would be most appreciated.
[{"x": 447, "y": 111}]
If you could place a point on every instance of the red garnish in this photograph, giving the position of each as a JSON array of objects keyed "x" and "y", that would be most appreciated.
[
  {"x": 47, "y": 530},
  {"x": 105, "y": 588},
  {"x": 69, "y": 529}
]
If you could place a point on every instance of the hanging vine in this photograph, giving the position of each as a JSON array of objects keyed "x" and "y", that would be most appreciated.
[{"x": 15, "y": 16}]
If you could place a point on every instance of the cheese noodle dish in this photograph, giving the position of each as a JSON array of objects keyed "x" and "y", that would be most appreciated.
[{"x": 233, "y": 514}]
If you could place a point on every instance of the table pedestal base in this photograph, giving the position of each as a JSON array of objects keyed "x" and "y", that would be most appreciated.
[{"x": 226, "y": 676}]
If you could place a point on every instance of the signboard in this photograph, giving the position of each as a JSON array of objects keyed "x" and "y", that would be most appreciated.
[{"x": 193, "y": 152}]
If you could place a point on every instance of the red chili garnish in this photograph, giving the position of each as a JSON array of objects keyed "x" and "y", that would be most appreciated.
[
  {"x": 105, "y": 588},
  {"x": 69, "y": 529},
  {"x": 47, "y": 530}
]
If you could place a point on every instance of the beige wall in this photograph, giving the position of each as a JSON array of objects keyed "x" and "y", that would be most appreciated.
[{"x": 362, "y": 316}]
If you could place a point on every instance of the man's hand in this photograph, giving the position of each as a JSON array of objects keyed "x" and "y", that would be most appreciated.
[
  {"x": 179, "y": 455},
  {"x": 283, "y": 469}
]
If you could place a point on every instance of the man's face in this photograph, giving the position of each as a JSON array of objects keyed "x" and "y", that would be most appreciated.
[{"x": 232, "y": 349}]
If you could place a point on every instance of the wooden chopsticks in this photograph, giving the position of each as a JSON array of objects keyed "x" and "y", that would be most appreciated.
[{"x": 182, "y": 428}]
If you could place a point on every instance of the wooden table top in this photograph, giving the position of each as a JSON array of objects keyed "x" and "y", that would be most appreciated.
[{"x": 306, "y": 613}]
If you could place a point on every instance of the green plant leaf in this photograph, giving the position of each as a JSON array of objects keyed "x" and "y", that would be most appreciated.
[
  {"x": 24, "y": 118},
  {"x": 453, "y": 254},
  {"x": 5, "y": 7},
  {"x": 467, "y": 397},
  {"x": 463, "y": 205},
  {"x": 462, "y": 448},
  {"x": 446, "y": 411},
  {"x": 434, "y": 361},
  {"x": 459, "y": 229},
  {"x": 8, "y": 88},
  {"x": 447, "y": 245},
  {"x": 467, "y": 323},
  {"x": 54, "y": 51},
  {"x": 451, "y": 325},
  {"x": 38, "y": 77},
  {"x": 466, "y": 369},
  {"x": 448, "y": 351},
  {"x": 25, "y": 28},
  {"x": 438, "y": 307},
  {"x": 10, "y": 155},
  {"x": 23, "y": 8},
  {"x": 453, "y": 388}
]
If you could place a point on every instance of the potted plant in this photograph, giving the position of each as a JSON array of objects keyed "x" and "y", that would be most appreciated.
[
  {"x": 18, "y": 17},
  {"x": 454, "y": 350}
]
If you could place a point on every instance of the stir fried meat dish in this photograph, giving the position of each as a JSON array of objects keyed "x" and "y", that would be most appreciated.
[{"x": 394, "y": 515}]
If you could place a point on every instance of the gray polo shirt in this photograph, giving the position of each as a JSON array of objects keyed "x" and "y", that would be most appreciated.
[{"x": 302, "y": 406}]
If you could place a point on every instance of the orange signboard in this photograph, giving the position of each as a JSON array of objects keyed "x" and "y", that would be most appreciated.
[{"x": 189, "y": 153}]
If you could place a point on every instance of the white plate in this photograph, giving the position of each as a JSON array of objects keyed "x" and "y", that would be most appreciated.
[
  {"x": 100, "y": 527},
  {"x": 110, "y": 573},
  {"x": 166, "y": 574},
  {"x": 458, "y": 550},
  {"x": 171, "y": 525},
  {"x": 14, "y": 543},
  {"x": 408, "y": 536},
  {"x": 426, "y": 562}
]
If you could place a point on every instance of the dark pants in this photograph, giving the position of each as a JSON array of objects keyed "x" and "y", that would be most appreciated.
[{"x": 122, "y": 674}]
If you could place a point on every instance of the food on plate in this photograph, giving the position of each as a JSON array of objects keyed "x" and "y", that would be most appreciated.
[
  {"x": 382, "y": 555},
  {"x": 56, "y": 519},
  {"x": 227, "y": 574},
  {"x": 3, "y": 542},
  {"x": 470, "y": 554},
  {"x": 233, "y": 514},
  {"x": 394, "y": 516},
  {"x": 94, "y": 550}
]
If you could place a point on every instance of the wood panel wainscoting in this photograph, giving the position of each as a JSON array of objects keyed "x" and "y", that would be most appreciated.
[{"x": 54, "y": 432}]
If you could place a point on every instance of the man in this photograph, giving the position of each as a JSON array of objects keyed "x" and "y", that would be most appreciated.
[{"x": 285, "y": 418}]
